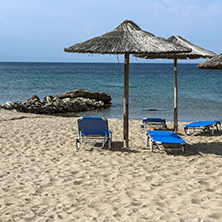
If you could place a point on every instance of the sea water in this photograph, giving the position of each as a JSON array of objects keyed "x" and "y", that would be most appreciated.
[{"x": 151, "y": 87}]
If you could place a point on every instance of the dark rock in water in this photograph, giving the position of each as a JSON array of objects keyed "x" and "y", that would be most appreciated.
[
  {"x": 153, "y": 110},
  {"x": 100, "y": 96},
  {"x": 67, "y": 102}
]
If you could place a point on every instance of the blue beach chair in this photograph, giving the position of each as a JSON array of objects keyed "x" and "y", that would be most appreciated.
[
  {"x": 165, "y": 140},
  {"x": 93, "y": 130},
  {"x": 202, "y": 126},
  {"x": 155, "y": 123}
]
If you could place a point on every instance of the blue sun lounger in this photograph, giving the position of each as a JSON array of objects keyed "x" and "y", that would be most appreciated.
[
  {"x": 165, "y": 140},
  {"x": 155, "y": 123},
  {"x": 93, "y": 130},
  {"x": 202, "y": 126}
]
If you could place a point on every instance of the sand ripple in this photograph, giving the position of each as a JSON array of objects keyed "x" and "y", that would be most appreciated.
[{"x": 44, "y": 178}]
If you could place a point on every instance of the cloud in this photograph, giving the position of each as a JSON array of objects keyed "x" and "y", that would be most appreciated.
[
  {"x": 157, "y": 5},
  {"x": 188, "y": 9},
  {"x": 214, "y": 10},
  {"x": 174, "y": 7}
]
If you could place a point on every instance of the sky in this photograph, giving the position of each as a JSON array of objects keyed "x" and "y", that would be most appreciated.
[{"x": 39, "y": 30}]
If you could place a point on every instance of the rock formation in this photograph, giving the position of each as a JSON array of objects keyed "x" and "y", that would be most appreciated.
[{"x": 67, "y": 102}]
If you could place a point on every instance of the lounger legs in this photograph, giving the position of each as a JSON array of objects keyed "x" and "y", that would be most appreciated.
[
  {"x": 77, "y": 144},
  {"x": 183, "y": 148},
  {"x": 151, "y": 145},
  {"x": 110, "y": 140},
  {"x": 150, "y": 141},
  {"x": 146, "y": 139},
  {"x": 80, "y": 141},
  {"x": 216, "y": 125}
]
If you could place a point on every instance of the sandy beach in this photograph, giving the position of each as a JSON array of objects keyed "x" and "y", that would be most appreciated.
[{"x": 44, "y": 178}]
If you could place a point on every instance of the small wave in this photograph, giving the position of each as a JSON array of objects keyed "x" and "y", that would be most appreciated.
[
  {"x": 114, "y": 84},
  {"x": 116, "y": 105},
  {"x": 118, "y": 85}
]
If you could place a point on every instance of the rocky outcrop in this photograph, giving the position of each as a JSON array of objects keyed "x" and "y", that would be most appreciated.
[
  {"x": 67, "y": 102},
  {"x": 99, "y": 96}
]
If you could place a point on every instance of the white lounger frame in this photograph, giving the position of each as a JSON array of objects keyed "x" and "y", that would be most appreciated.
[
  {"x": 189, "y": 130},
  {"x": 93, "y": 139},
  {"x": 155, "y": 125},
  {"x": 159, "y": 144},
  {"x": 96, "y": 139}
]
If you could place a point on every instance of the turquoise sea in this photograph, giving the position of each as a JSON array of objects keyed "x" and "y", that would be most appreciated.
[{"x": 151, "y": 87}]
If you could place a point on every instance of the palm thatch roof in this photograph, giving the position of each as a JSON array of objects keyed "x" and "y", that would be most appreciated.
[
  {"x": 213, "y": 63},
  {"x": 127, "y": 38},
  {"x": 197, "y": 52}
]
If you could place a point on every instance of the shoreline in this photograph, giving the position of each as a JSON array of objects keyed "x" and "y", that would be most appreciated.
[
  {"x": 44, "y": 178},
  {"x": 144, "y": 95}
]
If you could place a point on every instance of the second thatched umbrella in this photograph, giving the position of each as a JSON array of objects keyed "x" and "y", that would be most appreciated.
[
  {"x": 127, "y": 39},
  {"x": 213, "y": 63},
  {"x": 196, "y": 53}
]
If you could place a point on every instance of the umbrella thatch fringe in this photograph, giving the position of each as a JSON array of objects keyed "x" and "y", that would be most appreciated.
[
  {"x": 118, "y": 60},
  {"x": 211, "y": 71},
  {"x": 213, "y": 63},
  {"x": 127, "y": 38},
  {"x": 196, "y": 53},
  {"x": 208, "y": 72}
]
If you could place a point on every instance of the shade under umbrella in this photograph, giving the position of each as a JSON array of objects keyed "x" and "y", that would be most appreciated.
[
  {"x": 213, "y": 63},
  {"x": 127, "y": 39},
  {"x": 196, "y": 53}
]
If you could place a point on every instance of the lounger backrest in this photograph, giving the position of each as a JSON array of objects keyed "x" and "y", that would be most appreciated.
[
  {"x": 93, "y": 126},
  {"x": 147, "y": 120},
  {"x": 155, "y": 133}
]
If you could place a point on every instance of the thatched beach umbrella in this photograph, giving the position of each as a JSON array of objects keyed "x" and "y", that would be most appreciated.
[
  {"x": 196, "y": 53},
  {"x": 126, "y": 39},
  {"x": 213, "y": 63}
]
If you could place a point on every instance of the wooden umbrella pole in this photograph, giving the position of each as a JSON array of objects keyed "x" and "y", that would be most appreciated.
[
  {"x": 175, "y": 96},
  {"x": 126, "y": 102}
]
